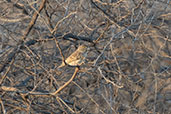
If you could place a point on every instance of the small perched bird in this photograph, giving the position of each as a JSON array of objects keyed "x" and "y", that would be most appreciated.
[{"x": 76, "y": 58}]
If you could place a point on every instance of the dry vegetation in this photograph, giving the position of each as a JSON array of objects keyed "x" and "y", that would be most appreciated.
[{"x": 127, "y": 71}]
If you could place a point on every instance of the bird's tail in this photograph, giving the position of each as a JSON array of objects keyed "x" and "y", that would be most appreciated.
[{"x": 62, "y": 65}]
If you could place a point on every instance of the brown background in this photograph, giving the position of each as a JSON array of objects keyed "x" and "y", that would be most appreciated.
[{"x": 127, "y": 71}]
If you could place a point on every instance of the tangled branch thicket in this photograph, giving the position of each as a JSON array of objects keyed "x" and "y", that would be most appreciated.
[{"x": 127, "y": 70}]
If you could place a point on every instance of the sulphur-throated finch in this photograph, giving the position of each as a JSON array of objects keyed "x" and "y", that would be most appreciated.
[{"x": 77, "y": 57}]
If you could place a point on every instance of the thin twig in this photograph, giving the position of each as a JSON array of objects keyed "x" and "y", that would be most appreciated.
[{"x": 67, "y": 83}]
